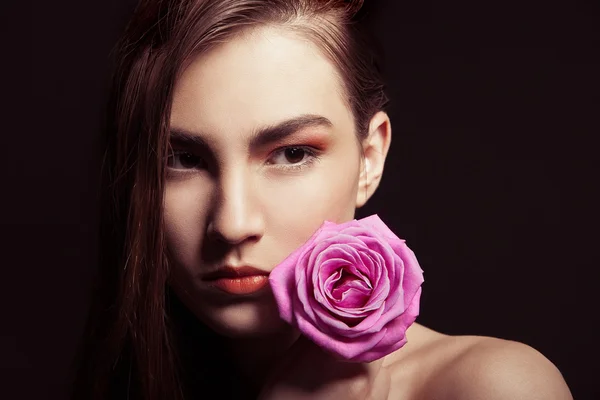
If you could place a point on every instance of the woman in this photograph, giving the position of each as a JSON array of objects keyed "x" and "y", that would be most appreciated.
[{"x": 236, "y": 128}]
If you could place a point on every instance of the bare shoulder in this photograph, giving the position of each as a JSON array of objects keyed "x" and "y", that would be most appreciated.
[
  {"x": 474, "y": 367},
  {"x": 499, "y": 369}
]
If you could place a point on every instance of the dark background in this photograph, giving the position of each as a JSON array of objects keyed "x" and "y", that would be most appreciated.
[{"x": 492, "y": 175}]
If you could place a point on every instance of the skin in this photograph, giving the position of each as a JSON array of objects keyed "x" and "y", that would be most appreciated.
[{"x": 233, "y": 201}]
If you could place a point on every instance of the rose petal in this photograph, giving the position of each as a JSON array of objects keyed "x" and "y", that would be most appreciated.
[
  {"x": 372, "y": 265},
  {"x": 346, "y": 347},
  {"x": 350, "y": 292},
  {"x": 283, "y": 282},
  {"x": 354, "y": 288},
  {"x": 347, "y": 246},
  {"x": 380, "y": 282},
  {"x": 395, "y": 333},
  {"x": 336, "y": 324},
  {"x": 377, "y": 225},
  {"x": 335, "y": 257}
]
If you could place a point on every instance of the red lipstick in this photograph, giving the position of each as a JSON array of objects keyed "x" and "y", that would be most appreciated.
[{"x": 238, "y": 280}]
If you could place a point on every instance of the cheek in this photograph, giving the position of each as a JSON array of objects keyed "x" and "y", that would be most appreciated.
[
  {"x": 185, "y": 208},
  {"x": 297, "y": 207},
  {"x": 330, "y": 193}
]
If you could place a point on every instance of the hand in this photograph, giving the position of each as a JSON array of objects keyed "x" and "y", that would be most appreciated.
[{"x": 309, "y": 372}]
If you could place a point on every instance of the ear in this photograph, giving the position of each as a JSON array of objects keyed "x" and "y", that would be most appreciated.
[{"x": 375, "y": 149}]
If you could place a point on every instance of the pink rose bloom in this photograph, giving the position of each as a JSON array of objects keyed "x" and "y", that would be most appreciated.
[{"x": 353, "y": 289}]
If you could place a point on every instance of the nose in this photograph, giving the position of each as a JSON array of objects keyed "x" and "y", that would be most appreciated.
[{"x": 236, "y": 217}]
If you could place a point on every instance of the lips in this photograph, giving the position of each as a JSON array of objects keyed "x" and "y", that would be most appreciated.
[{"x": 238, "y": 280}]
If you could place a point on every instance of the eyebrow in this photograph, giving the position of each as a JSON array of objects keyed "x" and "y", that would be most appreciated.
[
  {"x": 278, "y": 132},
  {"x": 261, "y": 137}
]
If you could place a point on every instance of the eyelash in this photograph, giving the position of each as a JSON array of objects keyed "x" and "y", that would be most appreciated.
[
  {"x": 178, "y": 153},
  {"x": 311, "y": 154}
]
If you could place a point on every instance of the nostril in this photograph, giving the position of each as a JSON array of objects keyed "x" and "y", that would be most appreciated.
[
  {"x": 215, "y": 247},
  {"x": 231, "y": 235},
  {"x": 217, "y": 235},
  {"x": 210, "y": 230}
]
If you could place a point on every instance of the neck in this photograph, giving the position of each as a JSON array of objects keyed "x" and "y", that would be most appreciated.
[
  {"x": 244, "y": 363},
  {"x": 255, "y": 358}
]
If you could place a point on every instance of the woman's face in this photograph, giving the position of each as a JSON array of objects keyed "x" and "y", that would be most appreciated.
[{"x": 270, "y": 154}]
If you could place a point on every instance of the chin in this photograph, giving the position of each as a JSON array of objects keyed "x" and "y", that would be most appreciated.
[{"x": 244, "y": 319}]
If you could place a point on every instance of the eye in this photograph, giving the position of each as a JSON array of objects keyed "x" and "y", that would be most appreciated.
[
  {"x": 185, "y": 160},
  {"x": 292, "y": 155}
]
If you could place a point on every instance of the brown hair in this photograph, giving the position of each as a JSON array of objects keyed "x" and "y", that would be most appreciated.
[{"x": 130, "y": 347}]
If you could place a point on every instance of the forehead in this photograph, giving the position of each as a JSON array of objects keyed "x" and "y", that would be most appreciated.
[{"x": 258, "y": 78}]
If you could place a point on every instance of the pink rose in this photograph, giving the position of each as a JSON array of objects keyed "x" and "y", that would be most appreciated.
[{"x": 352, "y": 288}]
